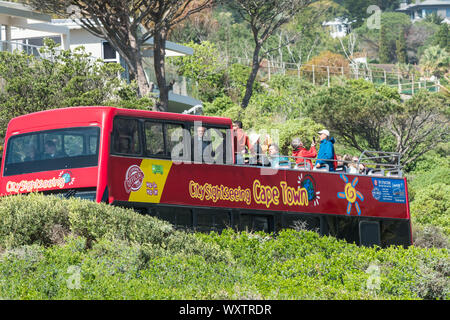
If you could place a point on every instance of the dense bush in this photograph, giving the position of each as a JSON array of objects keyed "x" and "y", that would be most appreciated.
[
  {"x": 115, "y": 253},
  {"x": 37, "y": 219},
  {"x": 431, "y": 206}
]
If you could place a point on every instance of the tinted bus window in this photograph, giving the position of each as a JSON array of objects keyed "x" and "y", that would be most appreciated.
[
  {"x": 174, "y": 136},
  {"x": 154, "y": 138},
  {"x": 212, "y": 219},
  {"x": 209, "y": 144},
  {"x": 52, "y": 150},
  {"x": 126, "y": 136}
]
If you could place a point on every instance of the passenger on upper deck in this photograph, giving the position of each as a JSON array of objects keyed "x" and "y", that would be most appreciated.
[
  {"x": 276, "y": 160},
  {"x": 256, "y": 151},
  {"x": 340, "y": 163},
  {"x": 301, "y": 152},
  {"x": 326, "y": 152},
  {"x": 241, "y": 141},
  {"x": 200, "y": 144},
  {"x": 124, "y": 144}
]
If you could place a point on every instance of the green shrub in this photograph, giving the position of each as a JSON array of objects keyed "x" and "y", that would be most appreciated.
[
  {"x": 115, "y": 253},
  {"x": 431, "y": 206},
  {"x": 37, "y": 219}
]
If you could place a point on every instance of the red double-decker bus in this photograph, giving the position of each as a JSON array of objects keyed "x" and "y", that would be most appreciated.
[{"x": 149, "y": 161}]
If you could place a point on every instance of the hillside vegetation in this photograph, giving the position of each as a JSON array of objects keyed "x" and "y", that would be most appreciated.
[{"x": 76, "y": 249}]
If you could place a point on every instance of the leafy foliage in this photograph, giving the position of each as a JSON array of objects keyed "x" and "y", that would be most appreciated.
[
  {"x": 369, "y": 117},
  {"x": 70, "y": 78},
  {"x": 431, "y": 206}
]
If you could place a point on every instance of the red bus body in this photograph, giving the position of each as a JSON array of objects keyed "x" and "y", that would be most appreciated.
[{"x": 243, "y": 191}]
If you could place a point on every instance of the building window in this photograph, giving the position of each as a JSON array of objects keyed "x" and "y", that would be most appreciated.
[
  {"x": 109, "y": 53},
  {"x": 430, "y": 11}
]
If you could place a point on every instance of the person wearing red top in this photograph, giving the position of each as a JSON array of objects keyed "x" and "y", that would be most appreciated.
[
  {"x": 241, "y": 141},
  {"x": 300, "y": 151}
]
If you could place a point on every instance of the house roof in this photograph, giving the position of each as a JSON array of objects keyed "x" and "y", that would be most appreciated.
[
  {"x": 172, "y": 48},
  {"x": 18, "y": 10},
  {"x": 426, "y": 3}
]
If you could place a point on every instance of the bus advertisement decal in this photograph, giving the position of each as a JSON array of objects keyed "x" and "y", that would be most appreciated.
[
  {"x": 149, "y": 178},
  {"x": 388, "y": 190}
]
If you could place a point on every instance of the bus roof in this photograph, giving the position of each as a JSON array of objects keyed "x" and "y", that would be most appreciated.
[{"x": 78, "y": 116}]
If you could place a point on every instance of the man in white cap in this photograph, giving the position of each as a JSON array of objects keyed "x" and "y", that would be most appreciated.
[{"x": 326, "y": 151}]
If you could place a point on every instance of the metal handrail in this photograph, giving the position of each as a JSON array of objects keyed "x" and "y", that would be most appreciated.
[{"x": 386, "y": 169}]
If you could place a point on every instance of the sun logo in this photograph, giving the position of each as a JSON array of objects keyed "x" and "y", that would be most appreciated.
[{"x": 351, "y": 194}]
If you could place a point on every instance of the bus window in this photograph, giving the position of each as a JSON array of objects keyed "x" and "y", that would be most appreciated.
[
  {"x": 73, "y": 145},
  {"x": 209, "y": 144},
  {"x": 180, "y": 217},
  {"x": 213, "y": 219},
  {"x": 126, "y": 136},
  {"x": 369, "y": 233},
  {"x": 394, "y": 232},
  {"x": 343, "y": 227},
  {"x": 154, "y": 138},
  {"x": 174, "y": 136},
  {"x": 218, "y": 140},
  {"x": 252, "y": 223},
  {"x": 52, "y": 150},
  {"x": 302, "y": 221},
  {"x": 93, "y": 144}
]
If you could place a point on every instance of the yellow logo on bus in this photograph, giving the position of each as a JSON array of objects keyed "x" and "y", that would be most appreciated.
[{"x": 154, "y": 180}]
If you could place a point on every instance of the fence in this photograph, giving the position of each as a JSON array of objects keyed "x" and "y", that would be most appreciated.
[{"x": 322, "y": 75}]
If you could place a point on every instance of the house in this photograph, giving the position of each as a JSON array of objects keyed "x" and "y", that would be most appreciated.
[
  {"x": 418, "y": 10},
  {"x": 24, "y": 29}
]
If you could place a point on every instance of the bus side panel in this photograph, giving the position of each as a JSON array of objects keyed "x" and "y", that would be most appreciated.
[
  {"x": 56, "y": 180},
  {"x": 162, "y": 181}
]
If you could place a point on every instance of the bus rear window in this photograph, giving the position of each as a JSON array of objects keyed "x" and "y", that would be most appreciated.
[{"x": 52, "y": 150}]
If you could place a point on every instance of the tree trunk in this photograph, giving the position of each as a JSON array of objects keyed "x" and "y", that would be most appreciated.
[
  {"x": 159, "y": 48},
  {"x": 136, "y": 66},
  {"x": 251, "y": 79}
]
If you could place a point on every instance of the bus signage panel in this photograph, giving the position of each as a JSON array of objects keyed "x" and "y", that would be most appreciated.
[
  {"x": 245, "y": 187},
  {"x": 49, "y": 180}
]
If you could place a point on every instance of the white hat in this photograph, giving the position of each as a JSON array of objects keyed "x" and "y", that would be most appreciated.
[{"x": 325, "y": 132}]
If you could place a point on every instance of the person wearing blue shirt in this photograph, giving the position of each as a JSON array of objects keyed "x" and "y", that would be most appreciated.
[
  {"x": 326, "y": 151},
  {"x": 277, "y": 161}
]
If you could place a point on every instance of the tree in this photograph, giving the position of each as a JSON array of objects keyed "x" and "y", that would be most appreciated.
[
  {"x": 380, "y": 42},
  {"x": 400, "y": 50},
  {"x": 265, "y": 17},
  {"x": 434, "y": 18},
  {"x": 127, "y": 25},
  {"x": 70, "y": 78},
  {"x": 383, "y": 53},
  {"x": 442, "y": 38},
  {"x": 357, "y": 9},
  {"x": 356, "y": 111},
  {"x": 369, "y": 117},
  {"x": 436, "y": 61},
  {"x": 326, "y": 63},
  {"x": 421, "y": 123}
]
